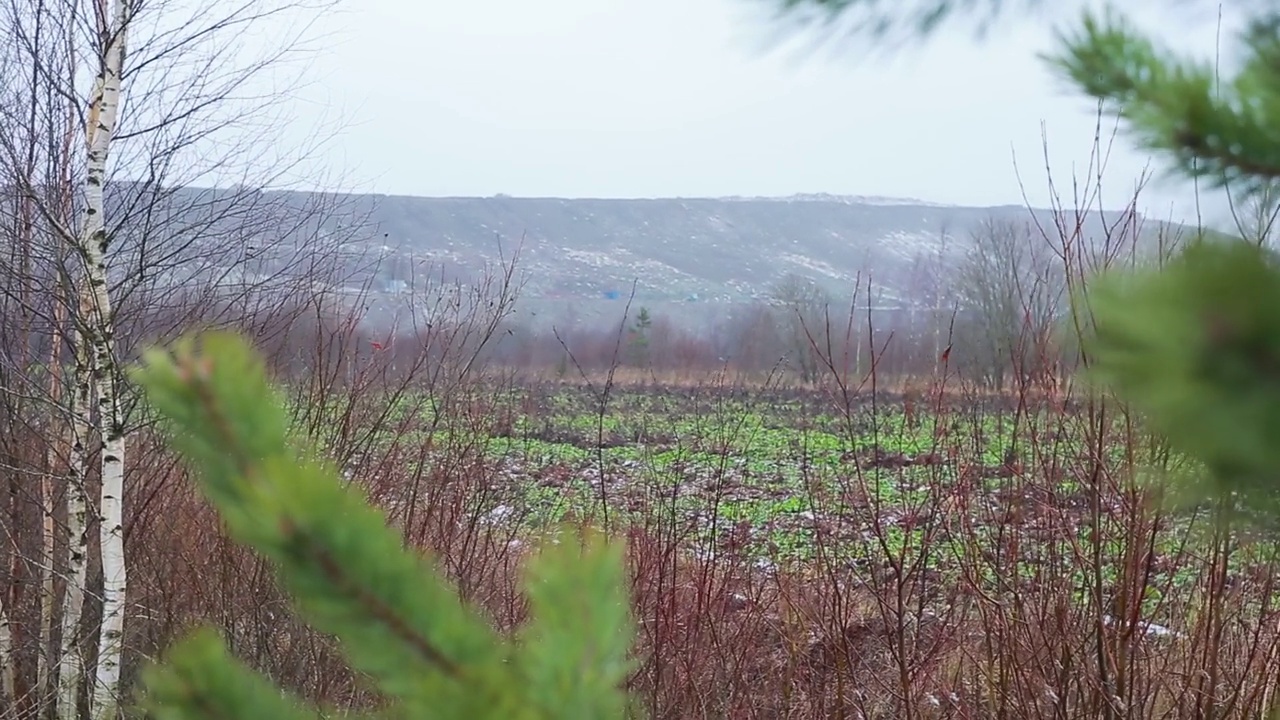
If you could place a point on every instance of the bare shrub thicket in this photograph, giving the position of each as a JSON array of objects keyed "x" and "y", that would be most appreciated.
[
  {"x": 1008, "y": 333},
  {"x": 1047, "y": 581},
  {"x": 405, "y": 413}
]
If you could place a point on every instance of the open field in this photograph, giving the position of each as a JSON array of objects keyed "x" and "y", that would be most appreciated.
[
  {"x": 807, "y": 553},
  {"x": 960, "y": 550}
]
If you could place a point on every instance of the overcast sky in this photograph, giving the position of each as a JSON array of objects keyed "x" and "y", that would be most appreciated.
[{"x": 647, "y": 98}]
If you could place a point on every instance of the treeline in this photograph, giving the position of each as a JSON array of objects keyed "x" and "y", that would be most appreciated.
[
  {"x": 762, "y": 340},
  {"x": 991, "y": 307}
]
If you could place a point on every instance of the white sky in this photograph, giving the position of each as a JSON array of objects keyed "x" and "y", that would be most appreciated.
[{"x": 650, "y": 98}]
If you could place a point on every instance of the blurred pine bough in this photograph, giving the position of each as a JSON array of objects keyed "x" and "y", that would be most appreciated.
[{"x": 398, "y": 622}]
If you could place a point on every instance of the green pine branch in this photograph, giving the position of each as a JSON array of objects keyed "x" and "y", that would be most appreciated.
[
  {"x": 892, "y": 20},
  {"x": 1195, "y": 347},
  {"x": 1223, "y": 130},
  {"x": 201, "y": 680},
  {"x": 398, "y": 622}
]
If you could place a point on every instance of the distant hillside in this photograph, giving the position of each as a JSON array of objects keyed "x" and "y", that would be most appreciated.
[
  {"x": 673, "y": 249},
  {"x": 682, "y": 252},
  {"x": 686, "y": 255}
]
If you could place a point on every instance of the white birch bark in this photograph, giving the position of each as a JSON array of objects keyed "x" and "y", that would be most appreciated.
[
  {"x": 6, "y": 656},
  {"x": 70, "y": 654},
  {"x": 55, "y": 452},
  {"x": 48, "y": 541},
  {"x": 104, "y": 112}
]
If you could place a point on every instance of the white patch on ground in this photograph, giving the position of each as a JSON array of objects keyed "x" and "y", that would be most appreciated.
[
  {"x": 658, "y": 268},
  {"x": 436, "y": 255},
  {"x": 595, "y": 258},
  {"x": 815, "y": 265},
  {"x": 909, "y": 244}
]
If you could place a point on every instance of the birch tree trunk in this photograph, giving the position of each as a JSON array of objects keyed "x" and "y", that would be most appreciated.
[
  {"x": 59, "y": 453},
  {"x": 71, "y": 653},
  {"x": 104, "y": 110},
  {"x": 48, "y": 481},
  {"x": 6, "y": 656}
]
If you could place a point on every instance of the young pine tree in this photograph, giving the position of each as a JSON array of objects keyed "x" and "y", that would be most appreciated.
[{"x": 399, "y": 624}]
